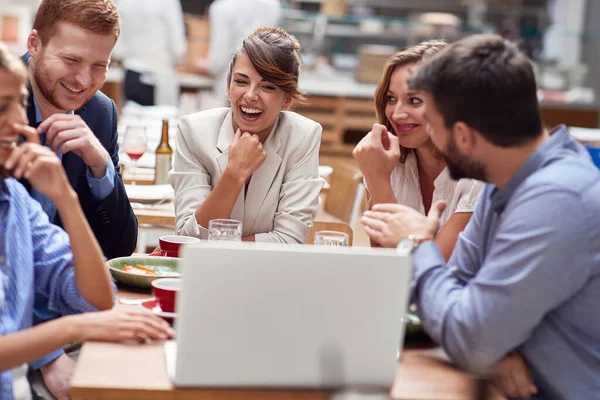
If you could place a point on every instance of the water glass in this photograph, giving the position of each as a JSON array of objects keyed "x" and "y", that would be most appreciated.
[
  {"x": 331, "y": 238},
  {"x": 225, "y": 229}
]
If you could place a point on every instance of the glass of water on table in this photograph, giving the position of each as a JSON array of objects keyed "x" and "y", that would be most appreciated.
[
  {"x": 225, "y": 229},
  {"x": 331, "y": 238}
]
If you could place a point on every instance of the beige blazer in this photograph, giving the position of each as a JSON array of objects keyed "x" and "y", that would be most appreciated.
[{"x": 283, "y": 194}]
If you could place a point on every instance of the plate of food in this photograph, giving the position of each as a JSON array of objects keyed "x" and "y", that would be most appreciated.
[{"x": 139, "y": 271}]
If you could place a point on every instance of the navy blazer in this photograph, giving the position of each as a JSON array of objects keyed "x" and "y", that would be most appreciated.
[{"x": 112, "y": 220}]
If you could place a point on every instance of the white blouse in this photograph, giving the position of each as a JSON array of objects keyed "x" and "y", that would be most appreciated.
[{"x": 460, "y": 196}]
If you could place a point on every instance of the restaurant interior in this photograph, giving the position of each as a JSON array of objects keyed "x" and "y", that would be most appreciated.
[{"x": 344, "y": 47}]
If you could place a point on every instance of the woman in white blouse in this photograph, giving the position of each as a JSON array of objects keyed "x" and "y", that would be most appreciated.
[
  {"x": 253, "y": 161},
  {"x": 398, "y": 160}
]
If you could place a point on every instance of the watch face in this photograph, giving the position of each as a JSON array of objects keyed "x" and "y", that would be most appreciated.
[{"x": 405, "y": 245}]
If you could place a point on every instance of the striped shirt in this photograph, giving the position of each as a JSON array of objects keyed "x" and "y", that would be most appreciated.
[{"x": 35, "y": 256}]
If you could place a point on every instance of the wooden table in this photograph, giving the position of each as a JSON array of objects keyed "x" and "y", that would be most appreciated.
[
  {"x": 160, "y": 215},
  {"x": 164, "y": 215},
  {"x": 132, "y": 371}
]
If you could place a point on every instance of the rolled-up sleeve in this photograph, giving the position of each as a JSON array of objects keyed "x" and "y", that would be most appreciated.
[
  {"x": 299, "y": 196},
  {"x": 53, "y": 264},
  {"x": 532, "y": 264}
]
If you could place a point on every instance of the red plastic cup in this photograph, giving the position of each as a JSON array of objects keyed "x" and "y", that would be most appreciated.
[
  {"x": 169, "y": 245},
  {"x": 165, "y": 291}
]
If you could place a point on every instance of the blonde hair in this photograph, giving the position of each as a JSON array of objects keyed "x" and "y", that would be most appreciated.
[
  {"x": 411, "y": 55},
  {"x": 12, "y": 64}
]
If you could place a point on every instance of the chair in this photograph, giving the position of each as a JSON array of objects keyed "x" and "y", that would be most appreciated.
[
  {"x": 342, "y": 201},
  {"x": 329, "y": 226}
]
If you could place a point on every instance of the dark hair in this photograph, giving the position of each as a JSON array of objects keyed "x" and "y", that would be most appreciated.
[
  {"x": 98, "y": 16},
  {"x": 275, "y": 55},
  {"x": 411, "y": 55},
  {"x": 487, "y": 83},
  {"x": 12, "y": 64}
]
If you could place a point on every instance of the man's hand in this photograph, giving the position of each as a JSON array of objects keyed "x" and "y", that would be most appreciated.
[
  {"x": 57, "y": 376},
  {"x": 377, "y": 154},
  {"x": 39, "y": 165},
  {"x": 66, "y": 132},
  {"x": 387, "y": 224},
  {"x": 513, "y": 377},
  {"x": 246, "y": 155}
]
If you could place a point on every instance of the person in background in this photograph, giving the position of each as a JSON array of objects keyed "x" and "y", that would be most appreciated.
[
  {"x": 68, "y": 55},
  {"x": 230, "y": 22},
  {"x": 524, "y": 275},
  {"x": 398, "y": 160},
  {"x": 38, "y": 256},
  {"x": 151, "y": 44},
  {"x": 253, "y": 161}
]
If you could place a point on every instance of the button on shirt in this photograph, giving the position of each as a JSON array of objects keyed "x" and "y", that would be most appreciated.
[
  {"x": 35, "y": 256},
  {"x": 525, "y": 275}
]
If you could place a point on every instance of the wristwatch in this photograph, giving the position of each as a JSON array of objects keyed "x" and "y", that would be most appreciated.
[{"x": 411, "y": 242}]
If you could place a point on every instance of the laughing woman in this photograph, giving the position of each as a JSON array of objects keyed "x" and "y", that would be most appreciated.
[
  {"x": 254, "y": 161},
  {"x": 398, "y": 160}
]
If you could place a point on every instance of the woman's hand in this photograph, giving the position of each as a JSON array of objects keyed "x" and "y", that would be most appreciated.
[
  {"x": 119, "y": 325},
  {"x": 39, "y": 165},
  {"x": 513, "y": 377},
  {"x": 246, "y": 155},
  {"x": 377, "y": 154}
]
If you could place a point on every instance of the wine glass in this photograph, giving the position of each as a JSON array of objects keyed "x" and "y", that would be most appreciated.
[{"x": 134, "y": 144}]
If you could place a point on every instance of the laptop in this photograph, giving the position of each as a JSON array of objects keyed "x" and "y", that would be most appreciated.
[{"x": 265, "y": 315}]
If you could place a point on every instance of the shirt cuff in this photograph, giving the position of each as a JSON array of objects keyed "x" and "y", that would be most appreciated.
[
  {"x": 426, "y": 257},
  {"x": 46, "y": 359},
  {"x": 102, "y": 187}
]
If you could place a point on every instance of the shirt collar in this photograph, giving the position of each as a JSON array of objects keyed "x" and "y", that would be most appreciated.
[
  {"x": 558, "y": 137},
  {"x": 38, "y": 113},
  {"x": 4, "y": 192}
]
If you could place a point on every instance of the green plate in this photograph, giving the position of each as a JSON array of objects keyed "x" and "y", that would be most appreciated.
[{"x": 164, "y": 267}]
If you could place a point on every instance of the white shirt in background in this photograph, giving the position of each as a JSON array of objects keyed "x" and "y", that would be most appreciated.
[
  {"x": 153, "y": 42},
  {"x": 460, "y": 196},
  {"x": 230, "y": 22}
]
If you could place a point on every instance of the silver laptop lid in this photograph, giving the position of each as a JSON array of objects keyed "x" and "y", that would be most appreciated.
[{"x": 257, "y": 315}]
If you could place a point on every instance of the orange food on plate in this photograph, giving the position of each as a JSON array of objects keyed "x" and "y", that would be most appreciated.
[
  {"x": 144, "y": 268},
  {"x": 138, "y": 269}
]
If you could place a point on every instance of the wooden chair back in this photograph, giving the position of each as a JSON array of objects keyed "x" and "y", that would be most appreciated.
[{"x": 344, "y": 182}]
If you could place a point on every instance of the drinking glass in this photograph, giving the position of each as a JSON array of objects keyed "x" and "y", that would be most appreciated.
[
  {"x": 134, "y": 144},
  {"x": 331, "y": 238},
  {"x": 225, "y": 229}
]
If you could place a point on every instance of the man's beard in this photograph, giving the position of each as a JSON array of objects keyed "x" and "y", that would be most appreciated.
[
  {"x": 41, "y": 78},
  {"x": 460, "y": 166}
]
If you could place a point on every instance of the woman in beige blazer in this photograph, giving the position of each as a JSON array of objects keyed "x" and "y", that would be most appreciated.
[{"x": 253, "y": 161}]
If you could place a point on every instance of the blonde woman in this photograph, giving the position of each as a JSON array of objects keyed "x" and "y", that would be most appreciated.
[{"x": 398, "y": 160}]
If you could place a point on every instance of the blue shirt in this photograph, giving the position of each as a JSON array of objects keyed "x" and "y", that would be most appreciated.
[
  {"x": 525, "y": 275},
  {"x": 35, "y": 256},
  {"x": 100, "y": 188}
]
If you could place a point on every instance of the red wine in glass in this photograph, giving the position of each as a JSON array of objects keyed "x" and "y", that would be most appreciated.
[
  {"x": 134, "y": 144},
  {"x": 134, "y": 154}
]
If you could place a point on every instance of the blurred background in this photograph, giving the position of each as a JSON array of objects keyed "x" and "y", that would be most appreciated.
[{"x": 345, "y": 43}]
